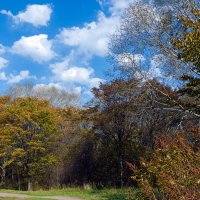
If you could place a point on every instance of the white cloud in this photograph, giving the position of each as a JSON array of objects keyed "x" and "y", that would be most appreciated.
[
  {"x": 3, "y": 76},
  {"x": 158, "y": 60},
  {"x": 117, "y": 6},
  {"x": 129, "y": 60},
  {"x": 155, "y": 70},
  {"x": 6, "y": 12},
  {"x": 3, "y": 62},
  {"x": 17, "y": 78},
  {"x": 95, "y": 82},
  {"x": 85, "y": 42},
  {"x": 10, "y": 78},
  {"x": 76, "y": 74},
  {"x": 101, "y": 2},
  {"x": 37, "y": 15},
  {"x": 2, "y": 49},
  {"x": 46, "y": 87},
  {"x": 38, "y": 47},
  {"x": 80, "y": 75},
  {"x": 59, "y": 67},
  {"x": 93, "y": 38},
  {"x": 65, "y": 73},
  {"x": 76, "y": 90}
]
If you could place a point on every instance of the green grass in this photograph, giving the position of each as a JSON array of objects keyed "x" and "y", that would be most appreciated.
[
  {"x": 9, "y": 198},
  {"x": 107, "y": 194}
]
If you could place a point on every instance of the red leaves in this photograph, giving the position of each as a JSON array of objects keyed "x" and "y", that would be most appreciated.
[
  {"x": 173, "y": 168},
  {"x": 131, "y": 166}
]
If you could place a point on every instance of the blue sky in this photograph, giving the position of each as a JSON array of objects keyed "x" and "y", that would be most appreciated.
[{"x": 56, "y": 43}]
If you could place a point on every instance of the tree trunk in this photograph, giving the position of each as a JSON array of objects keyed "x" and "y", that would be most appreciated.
[
  {"x": 3, "y": 175},
  {"x": 121, "y": 160},
  {"x": 19, "y": 181},
  {"x": 30, "y": 185},
  {"x": 121, "y": 171}
]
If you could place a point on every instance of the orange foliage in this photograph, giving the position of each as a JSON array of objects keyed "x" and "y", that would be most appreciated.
[{"x": 173, "y": 171}]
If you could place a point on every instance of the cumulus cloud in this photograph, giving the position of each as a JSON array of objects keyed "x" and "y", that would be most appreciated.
[
  {"x": 85, "y": 41},
  {"x": 101, "y": 2},
  {"x": 37, "y": 15},
  {"x": 3, "y": 76},
  {"x": 38, "y": 47},
  {"x": 76, "y": 74},
  {"x": 17, "y": 78},
  {"x": 76, "y": 90},
  {"x": 11, "y": 78},
  {"x": 158, "y": 60},
  {"x": 2, "y": 49},
  {"x": 154, "y": 70},
  {"x": 3, "y": 62},
  {"x": 91, "y": 39},
  {"x": 117, "y": 6},
  {"x": 41, "y": 86},
  {"x": 73, "y": 74},
  {"x": 129, "y": 60}
]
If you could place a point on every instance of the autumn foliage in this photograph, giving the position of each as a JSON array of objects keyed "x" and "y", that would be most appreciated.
[
  {"x": 136, "y": 131},
  {"x": 28, "y": 129},
  {"x": 172, "y": 171}
]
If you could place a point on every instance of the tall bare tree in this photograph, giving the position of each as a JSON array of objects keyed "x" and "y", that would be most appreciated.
[
  {"x": 56, "y": 96},
  {"x": 143, "y": 46}
]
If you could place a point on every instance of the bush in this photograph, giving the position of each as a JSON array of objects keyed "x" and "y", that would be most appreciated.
[{"x": 172, "y": 172}]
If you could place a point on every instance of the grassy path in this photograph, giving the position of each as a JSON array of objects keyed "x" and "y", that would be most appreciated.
[
  {"x": 67, "y": 194},
  {"x": 25, "y": 196}
]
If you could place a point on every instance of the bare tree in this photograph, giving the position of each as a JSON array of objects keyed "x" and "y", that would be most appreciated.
[
  {"x": 57, "y": 97},
  {"x": 142, "y": 47}
]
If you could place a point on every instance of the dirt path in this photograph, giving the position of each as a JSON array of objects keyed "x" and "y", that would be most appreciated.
[{"x": 24, "y": 196}]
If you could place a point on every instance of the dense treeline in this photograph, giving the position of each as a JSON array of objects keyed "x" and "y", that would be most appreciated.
[{"x": 138, "y": 130}]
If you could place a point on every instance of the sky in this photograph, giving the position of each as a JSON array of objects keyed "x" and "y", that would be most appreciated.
[{"x": 61, "y": 43}]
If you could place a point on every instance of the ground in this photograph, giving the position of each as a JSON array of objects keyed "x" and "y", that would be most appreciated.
[{"x": 68, "y": 194}]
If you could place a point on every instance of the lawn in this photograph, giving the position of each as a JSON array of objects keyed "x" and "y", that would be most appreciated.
[{"x": 107, "y": 194}]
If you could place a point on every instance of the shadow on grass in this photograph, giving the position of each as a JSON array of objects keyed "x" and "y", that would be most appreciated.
[
  {"x": 125, "y": 194},
  {"x": 110, "y": 194},
  {"x": 115, "y": 197}
]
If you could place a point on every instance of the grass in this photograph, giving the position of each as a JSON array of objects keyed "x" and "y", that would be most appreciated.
[
  {"x": 107, "y": 194},
  {"x": 8, "y": 198}
]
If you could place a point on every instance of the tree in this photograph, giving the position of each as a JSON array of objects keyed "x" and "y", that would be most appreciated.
[
  {"x": 187, "y": 44},
  {"x": 143, "y": 47},
  {"x": 56, "y": 96},
  {"x": 172, "y": 171},
  {"x": 74, "y": 148},
  {"x": 28, "y": 128},
  {"x": 110, "y": 118},
  {"x": 3, "y": 102},
  {"x": 126, "y": 117}
]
